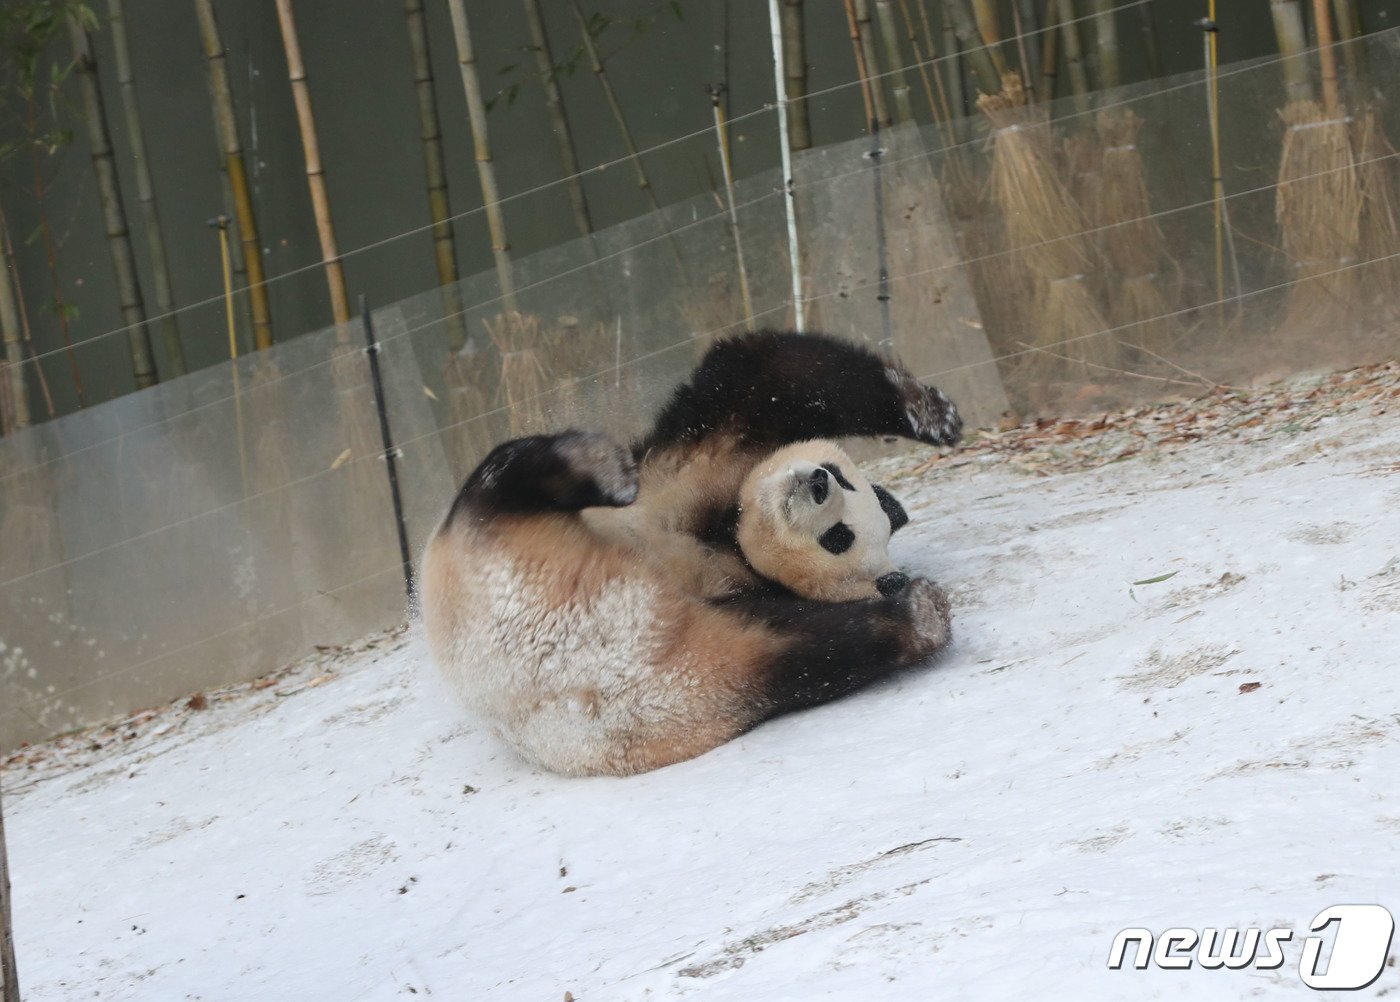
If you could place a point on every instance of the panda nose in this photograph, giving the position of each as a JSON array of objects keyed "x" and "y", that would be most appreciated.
[
  {"x": 820, "y": 482},
  {"x": 892, "y": 583}
]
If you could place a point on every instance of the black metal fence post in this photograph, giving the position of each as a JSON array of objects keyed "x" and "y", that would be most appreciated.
[{"x": 390, "y": 453}]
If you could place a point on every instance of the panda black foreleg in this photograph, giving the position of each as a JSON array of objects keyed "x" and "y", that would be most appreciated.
[
  {"x": 833, "y": 649},
  {"x": 564, "y": 472},
  {"x": 771, "y": 388}
]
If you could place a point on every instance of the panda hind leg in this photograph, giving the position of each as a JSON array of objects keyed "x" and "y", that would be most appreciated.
[
  {"x": 565, "y": 472},
  {"x": 830, "y": 650}
]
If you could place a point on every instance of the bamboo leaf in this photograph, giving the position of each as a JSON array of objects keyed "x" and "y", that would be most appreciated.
[
  {"x": 1158, "y": 579},
  {"x": 341, "y": 460},
  {"x": 676, "y": 9}
]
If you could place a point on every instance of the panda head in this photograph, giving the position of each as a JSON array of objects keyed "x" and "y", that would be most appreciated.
[{"x": 810, "y": 521}]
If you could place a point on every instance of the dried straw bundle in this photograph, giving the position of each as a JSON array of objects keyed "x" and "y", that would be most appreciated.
[
  {"x": 574, "y": 351},
  {"x": 1380, "y": 206},
  {"x": 1046, "y": 231},
  {"x": 1142, "y": 274},
  {"x": 524, "y": 381},
  {"x": 1003, "y": 287},
  {"x": 1318, "y": 208}
]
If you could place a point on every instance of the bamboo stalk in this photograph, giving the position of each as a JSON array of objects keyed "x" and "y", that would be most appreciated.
[
  {"x": 481, "y": 145},
  {"x": 554, "y": 108},
  {"x": 862, "y": 69},
  {"x": 7, "y": 254},
  {"x": 1074, "y": 51},
  {"x": 430, "y": 134},
  {"x": 899, "y": 81},
  {"x": 957, "y": 89},
  {"x": 1050, "y": 55},
  {"x": 795, "y": 66},
  {"x": 1149, "y": 39},
  {"x": 1292, "y": 41},
  {"x": 989, "y": 30},
  {"x": 1106, "y": 32},
  {"x": 1028, "y": 39},
  {"x": 113, "y": 210},
  {"x": 435, "y": 172},
  {"x": 12, "y": 334},
  {"x": 1348, "y": 30},
  {"x": 722, "y": 142},
  {"x": 938, "y": 109},
  {"x": 1327, "y": 56},
  {"x": 315, "y": 172},
  {"x": 232, "y": 146},
  {"x": 865, "y": 34},
  {"x": 167, "y": 322},
  {"x": 600, "y": 72},
  {"x": 958, "y": 16},
  {"x": 51, "y": 253}
]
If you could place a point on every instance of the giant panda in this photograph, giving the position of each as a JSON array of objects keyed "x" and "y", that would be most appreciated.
[{"x": 598, "y": 606}]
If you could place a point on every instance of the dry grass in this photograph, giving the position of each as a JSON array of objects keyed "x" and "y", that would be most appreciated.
[
  {"x": 1143, "y": 280},
  {"x": 1318, "y": 208},
  {"x": 1045, "y": 230}
]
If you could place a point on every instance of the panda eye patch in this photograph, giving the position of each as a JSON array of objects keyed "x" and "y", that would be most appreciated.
[
  {"x": 837, "y": 539},
  {"x": 835, "y": 471}
]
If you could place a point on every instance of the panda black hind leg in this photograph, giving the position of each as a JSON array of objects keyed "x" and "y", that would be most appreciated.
[
  {"x": 830, "y": 650},
  {"x": 772, "y": 388},
  {"x": 569, "y": 471}
]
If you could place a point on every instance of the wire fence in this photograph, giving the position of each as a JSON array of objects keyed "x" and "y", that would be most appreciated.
[{"x": 1048, "y": 260}]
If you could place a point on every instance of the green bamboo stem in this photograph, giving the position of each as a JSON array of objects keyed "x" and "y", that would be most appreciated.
[
  {"x": 12, "y": 334},
  {"x": 889, "y": 35},
  {"x": 435, "y": 172},
  {"x": 1149, "y": 39},
  {"x": 989, "y": 30},
  {"x": 795, "y": 68},
  {"x": 167, "y": 323},
  {"x": 937, "y": 108},
  {"x": 1050, "y": 55},
  {"x": 7, "y": 255},
  {"x": 481, "y": 146},
  {"x": 1327, "y": 56},
  {"x": 958, "y": 15},
  {"x": 226, "y": 121},
  {"x": 865, "y": 33},
  {"x": 600, "y": 73},
  {"x": 554, "y": 107},
  {"x": 1292, "y": 42},
  {"x": 1106, "y": 31},
  {"x": 315, "y": 172},
  {"x": 1348, "y": 30},
  {"x": 1074, "y": 51},
  {"x": 1028, "y": 39},
  {"x": 143, "y": 367},
  {"x": 952, "y": 50},
  {"x": 430, "y": 134}
]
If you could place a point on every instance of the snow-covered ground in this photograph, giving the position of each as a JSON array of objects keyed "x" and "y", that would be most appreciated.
[{"x": 1217, "y": 748}]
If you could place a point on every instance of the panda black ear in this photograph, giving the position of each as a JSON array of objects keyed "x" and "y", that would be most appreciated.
[{"x": 898, "y": 517}]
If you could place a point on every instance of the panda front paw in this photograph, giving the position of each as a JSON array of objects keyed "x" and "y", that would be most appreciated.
[
  {"x": 930, "y": 616},
  {"x": 604, "y": 474}
]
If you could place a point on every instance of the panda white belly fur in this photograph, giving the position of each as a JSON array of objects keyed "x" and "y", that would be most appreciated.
[{"x": 584, "y": 667}]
